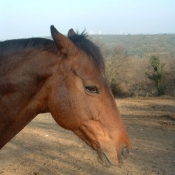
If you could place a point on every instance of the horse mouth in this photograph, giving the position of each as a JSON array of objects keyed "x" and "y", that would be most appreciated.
[{"x": 103, "y": 159}]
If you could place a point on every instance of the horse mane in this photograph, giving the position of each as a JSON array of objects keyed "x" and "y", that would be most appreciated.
[
  {"x": 12, "y": 46},
  {"x": 83, "y": 43},
  {"x": 80, "y": 40}
]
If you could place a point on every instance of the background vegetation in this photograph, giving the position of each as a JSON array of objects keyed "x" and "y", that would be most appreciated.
[{"x": 129, "y": 63}]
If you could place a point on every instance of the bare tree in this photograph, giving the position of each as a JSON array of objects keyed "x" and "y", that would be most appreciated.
[{"x": 116, "y": 59}]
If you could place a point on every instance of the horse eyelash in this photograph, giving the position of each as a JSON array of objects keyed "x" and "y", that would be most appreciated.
[{"x": 92, "y": 89}]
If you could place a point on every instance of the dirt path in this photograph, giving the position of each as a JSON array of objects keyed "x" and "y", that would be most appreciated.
[{"x": 43, "y": 148}]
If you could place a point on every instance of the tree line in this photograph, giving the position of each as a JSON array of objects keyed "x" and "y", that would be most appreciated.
[{"x": 128, "y": 76}]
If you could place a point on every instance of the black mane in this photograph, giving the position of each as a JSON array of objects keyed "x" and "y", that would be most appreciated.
[
  {"x": 80, "y": 40},
  {"x": 12, "y": 46}
]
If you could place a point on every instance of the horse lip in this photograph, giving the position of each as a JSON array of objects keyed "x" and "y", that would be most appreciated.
[{"x": 103, "y": 159}]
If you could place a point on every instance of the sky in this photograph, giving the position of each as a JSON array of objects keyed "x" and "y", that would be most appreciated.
[{"x": 32, "y": 18}]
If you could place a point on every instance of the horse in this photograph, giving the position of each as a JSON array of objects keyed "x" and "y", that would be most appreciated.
[{"x": 66, "y": 77}]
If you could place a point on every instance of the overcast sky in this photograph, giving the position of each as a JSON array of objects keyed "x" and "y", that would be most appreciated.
[{"x": 32, "y": 18}]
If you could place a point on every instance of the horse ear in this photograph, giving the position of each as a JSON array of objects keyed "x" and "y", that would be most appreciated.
[
  {"x": 71, "y": 33},
  {"x": 64, "y": 44}
]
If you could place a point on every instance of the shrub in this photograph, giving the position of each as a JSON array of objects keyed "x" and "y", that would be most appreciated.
[{"x": 157, "y": 74}]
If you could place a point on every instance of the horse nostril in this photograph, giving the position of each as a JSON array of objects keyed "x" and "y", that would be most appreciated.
[{"x": 125, "y": 152}]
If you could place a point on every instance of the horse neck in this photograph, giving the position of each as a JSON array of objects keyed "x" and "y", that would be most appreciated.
[{"x": 23, "y": 90}]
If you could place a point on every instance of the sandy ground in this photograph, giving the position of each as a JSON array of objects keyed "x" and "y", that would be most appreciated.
[{"x": 43, "y": 148}]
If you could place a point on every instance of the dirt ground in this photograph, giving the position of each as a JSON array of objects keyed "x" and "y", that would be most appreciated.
[{"x": 44, "y": 148}]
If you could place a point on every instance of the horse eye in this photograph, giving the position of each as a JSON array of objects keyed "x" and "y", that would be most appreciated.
[{"x": 92, "y": 89}]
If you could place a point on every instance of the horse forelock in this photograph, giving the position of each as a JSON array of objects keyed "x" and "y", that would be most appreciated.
[{"x": 83, "y": 43}]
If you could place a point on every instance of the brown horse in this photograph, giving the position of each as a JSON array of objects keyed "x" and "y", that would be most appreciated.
[{"x": 66, "y": 78}]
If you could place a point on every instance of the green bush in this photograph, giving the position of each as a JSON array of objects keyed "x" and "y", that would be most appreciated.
[{"x": 157, "y": 74}]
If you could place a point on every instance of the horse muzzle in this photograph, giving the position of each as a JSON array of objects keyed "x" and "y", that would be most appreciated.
[{"x": 107, "y": 159}]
